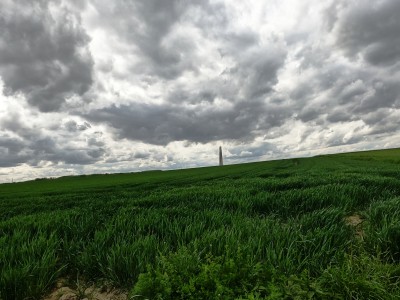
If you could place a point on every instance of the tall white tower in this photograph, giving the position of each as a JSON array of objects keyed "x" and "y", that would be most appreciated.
[{"x": 221, "y": 160}]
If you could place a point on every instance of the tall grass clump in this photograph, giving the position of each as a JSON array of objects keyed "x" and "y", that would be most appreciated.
[
  {"x": 383, "y": 229},
  {"x": 29, "y": 267},
  {"x": 362, "y": 277}
]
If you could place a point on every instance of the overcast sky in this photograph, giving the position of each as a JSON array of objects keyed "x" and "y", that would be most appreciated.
[{"x": 101, "y": 86}]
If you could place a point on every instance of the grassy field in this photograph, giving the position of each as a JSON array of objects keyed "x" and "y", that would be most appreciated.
[{"x": 326, "y": 227}]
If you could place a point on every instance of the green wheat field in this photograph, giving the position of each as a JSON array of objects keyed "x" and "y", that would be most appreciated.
[{"x": 326, "y": 227}]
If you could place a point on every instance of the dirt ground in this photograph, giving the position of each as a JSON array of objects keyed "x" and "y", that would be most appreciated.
[
  {"x": 356, "y": 221},
  {"x": 64, "y": 292}
]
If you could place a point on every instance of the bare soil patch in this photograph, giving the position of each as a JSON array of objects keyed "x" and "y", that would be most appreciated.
[
  {"x": 356, "y": 222},
  {"x": 64, "y": 292}
]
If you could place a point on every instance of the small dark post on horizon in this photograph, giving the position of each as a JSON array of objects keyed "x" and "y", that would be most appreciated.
[{"x": 221, "y": 160}]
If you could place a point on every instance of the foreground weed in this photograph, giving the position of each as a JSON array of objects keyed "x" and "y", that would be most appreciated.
[
  {"x": 184, "y": 275},
  {"x": 362, "y": 277}
]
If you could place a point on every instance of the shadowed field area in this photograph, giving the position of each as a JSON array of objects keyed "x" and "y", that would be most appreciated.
[{"x": 326, "y": 227}]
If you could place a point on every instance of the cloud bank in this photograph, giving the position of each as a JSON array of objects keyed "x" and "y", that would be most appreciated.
[{"x": 114, "y": 86}]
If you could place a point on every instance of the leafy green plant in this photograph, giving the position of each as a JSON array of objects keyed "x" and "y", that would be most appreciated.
[{"x": 185, "y": 274}]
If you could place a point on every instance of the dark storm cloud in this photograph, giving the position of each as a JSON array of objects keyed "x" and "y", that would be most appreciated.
[
  {"x": 347, "y": 95},
  {"x": 385, "y": 94},
  {"x": 311, "y": 56},
  {"x": 340, "y": 93},
  {"x": 369, "y": 29},
  {"x": 241, "y": 40},
  {"x": 135, "y": 156},
  {"x": 12, "y": 151},
  {"x": 21, "y": 143},
  {"x": 250, "y": 78},
  {"x": 357, "y": 98},
  {"x": 73, "y": 126},
  {"x": 48, "y": 149},
  {"x": 232, "y": 104},
  {"x": 162, "y": 124},
  {"x": 145, "y": 25},
  {"x": 308, "y": 114},
  {"x": 141, "y": 155},
  {"x": 339, "y": 115},
  {"x": 257, "y": 72},
  {"x": 350, "y": 90},
  {"x": 383, "y": 120},
  {"x": 340, "y": 139},
  {"x": 43, "y": 52}
]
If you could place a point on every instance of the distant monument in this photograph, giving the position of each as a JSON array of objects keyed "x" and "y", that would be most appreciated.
[{"x": 221, "y": 160}]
